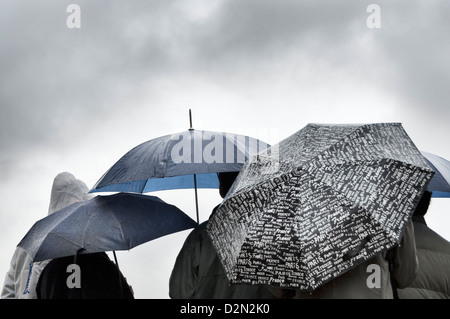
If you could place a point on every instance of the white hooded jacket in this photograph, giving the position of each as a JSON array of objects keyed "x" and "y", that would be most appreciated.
[{"x": 22, "y": 277}]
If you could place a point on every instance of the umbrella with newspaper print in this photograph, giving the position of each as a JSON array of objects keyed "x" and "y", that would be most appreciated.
[{"x": 335, "y": 196}]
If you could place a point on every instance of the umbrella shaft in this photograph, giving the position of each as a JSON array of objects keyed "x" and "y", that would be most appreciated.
[
  {"x": 196, "y": 198},
  {"x": 118, "y": 272},
  {"x": 115, "y": 259}
]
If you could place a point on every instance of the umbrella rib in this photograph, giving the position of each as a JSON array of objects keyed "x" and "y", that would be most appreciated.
[
  {"x": 121, "y": 231},
  {"x": 369, "y": 200},
  {"x": 60, "y": 237},
  {"x": 85, "y": 228},
  {"x": 336, "y": 167},
  {"x": 337, "y": 142},
  {"x": 122, "y": 235},
  {"x": 356, "y": 129},
  {"x": 68, "y": 240}
]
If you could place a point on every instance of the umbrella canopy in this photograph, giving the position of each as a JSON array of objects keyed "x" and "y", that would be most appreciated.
[
  {"x": 170, "y": 161},
  {"x": 440, "y": 183},
  {"x": 103, "y": 223},
  {"x": 189, "y": 159},
  {"x": 336, "y": 196}
]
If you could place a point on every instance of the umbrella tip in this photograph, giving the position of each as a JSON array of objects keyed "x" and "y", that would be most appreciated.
[{"x": 190, "y": 120}]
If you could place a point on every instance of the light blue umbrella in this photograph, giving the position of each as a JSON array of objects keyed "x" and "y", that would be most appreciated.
[
  {"x": 104, "y": 223},
  {"x": 189, "y": 159},
  {"x": 440, "y": 183}
]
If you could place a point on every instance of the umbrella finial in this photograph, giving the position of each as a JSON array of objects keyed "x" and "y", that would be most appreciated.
[{"x": 190, "y": 120}]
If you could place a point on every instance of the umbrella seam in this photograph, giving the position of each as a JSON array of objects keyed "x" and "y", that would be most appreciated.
[
  {"x": 119, "y": 224},
  {"x": 60, "y": 237},
  {"x": 357, "y": 128},
  {"x": 339, "y": 192},
  {"x": 267, "y": 182},
  {"x": 411, "y": 166},
  {"x": 87, "y": 224}
]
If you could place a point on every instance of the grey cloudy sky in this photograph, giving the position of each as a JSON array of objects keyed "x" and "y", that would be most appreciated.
[{"x": 78, "y": 99}]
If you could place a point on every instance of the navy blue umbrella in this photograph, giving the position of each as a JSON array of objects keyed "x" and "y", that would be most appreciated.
[
  {"x": 189, "y": 159},
  {"x": 440, "y": 183},
  {"x": 170, "y": 161},
  {"x": 103, "y": 223}
]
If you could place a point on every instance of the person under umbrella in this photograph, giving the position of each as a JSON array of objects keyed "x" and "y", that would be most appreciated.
[
  {"x": 337, "y": 197},
  {"x": 377, "y": 278},
  {"x": 433, "y": 252},
  {"x": 22, "y": 277},
  {"x": 96, "y": 278},
  {"x": 103, "y": 223},
  {"x": 198, "y": 272},
  {"x": 188, "y": 159}
]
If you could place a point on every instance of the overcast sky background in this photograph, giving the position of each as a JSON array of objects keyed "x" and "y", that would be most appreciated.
[{"x": 78, "y": 99}]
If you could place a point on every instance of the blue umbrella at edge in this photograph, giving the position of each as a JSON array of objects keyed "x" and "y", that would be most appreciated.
[{"x": 440, "y": 183}]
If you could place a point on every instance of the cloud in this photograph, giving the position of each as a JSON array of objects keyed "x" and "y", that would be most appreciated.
[
  {"x": 131, "y": 61},
  {"x": 415, "y": 43},
  {"x": 60, "y": 82},
  {"x": 77, "y": 100}
]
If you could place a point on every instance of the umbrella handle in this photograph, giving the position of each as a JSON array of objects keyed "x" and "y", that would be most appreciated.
[{"x": 76, "y": 254}]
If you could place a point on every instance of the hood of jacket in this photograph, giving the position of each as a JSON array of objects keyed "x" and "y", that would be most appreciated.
[{"x": 67, "y": 190}]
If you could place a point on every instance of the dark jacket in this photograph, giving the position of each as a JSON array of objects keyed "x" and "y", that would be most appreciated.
[
  {"x": 99, "y": 279},
  {"x": 433, "y": 278},
  {"x": 198, "y": 273}
]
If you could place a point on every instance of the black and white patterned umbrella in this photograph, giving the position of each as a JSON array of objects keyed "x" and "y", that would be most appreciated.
[{"x": 324, "y": 200}]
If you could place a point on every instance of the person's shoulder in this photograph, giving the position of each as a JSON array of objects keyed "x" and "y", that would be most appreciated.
[
  {"x": 199, "y": 229},
  {"x": 427, "y": 238},
  {"x": 198, "y": 233}
]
